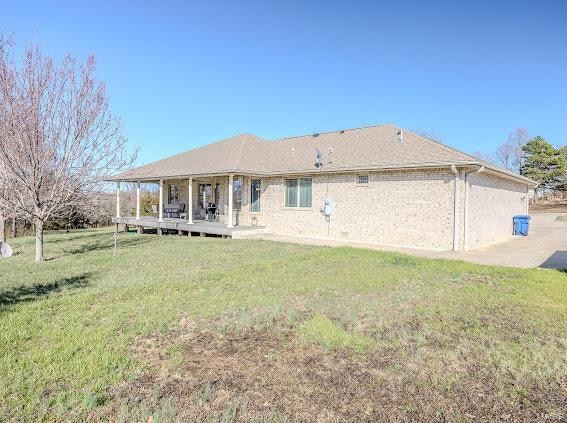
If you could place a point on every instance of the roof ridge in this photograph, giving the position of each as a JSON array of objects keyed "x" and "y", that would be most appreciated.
[{"x": 332, "y": 132}]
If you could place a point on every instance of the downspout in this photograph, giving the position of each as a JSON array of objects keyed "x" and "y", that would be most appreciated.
[
  {"x": 455, "y": 209},
  {"x": 466, "y": 218}
]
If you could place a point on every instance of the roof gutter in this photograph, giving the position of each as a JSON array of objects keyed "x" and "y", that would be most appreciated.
[
  {"x": 466, "y": 216},
  {"x": 384, "y": 168},
  {"x": 509, "y": 175}
]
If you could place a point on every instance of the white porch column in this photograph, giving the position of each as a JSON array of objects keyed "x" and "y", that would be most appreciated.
[
  {"x": 190, "y": 202},
  {"x": 138, "y": 200},
  {"x": 230, "y": 207},
  {"x": 117, "y": 199},
  {"x": 160, "y": 200}
]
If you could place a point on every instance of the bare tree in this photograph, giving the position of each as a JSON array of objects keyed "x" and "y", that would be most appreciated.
[
  {"x": 2, "y": 228},
  {"x": 4, "y": 211},
  {"x": 430, "y": 135},
  {"x": 484, "y": 156},
  {"x": 59, "y": 139},
  {"x": 510, "y": 154}
]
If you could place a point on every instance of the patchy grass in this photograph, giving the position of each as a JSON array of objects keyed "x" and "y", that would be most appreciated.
[
  {"x": 178, "y": 328},
  {"x": 324, "y": 331}
]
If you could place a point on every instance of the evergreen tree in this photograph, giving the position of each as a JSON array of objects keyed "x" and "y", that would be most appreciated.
[{"x": 544, "y": 163}]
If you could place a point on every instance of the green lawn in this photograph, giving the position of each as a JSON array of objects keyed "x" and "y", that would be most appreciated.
[{"x": 182, "y": 328}]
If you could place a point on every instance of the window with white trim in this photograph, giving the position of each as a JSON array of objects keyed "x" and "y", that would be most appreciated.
[
  {"x": 298, "y": 192},
  {"x": 172, "y": 194},
  {"x": 255, "y": 195}
]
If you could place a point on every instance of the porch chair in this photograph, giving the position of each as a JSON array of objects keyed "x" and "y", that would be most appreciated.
[{"x": 181, "y": 211}]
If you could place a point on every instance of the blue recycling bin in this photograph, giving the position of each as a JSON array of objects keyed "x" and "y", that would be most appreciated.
[{"x": 521, "y": 225}]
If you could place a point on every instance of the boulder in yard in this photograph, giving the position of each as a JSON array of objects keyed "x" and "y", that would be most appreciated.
[{"x": 5, "y": 250}]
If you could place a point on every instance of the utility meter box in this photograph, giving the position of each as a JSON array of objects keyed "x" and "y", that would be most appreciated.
[{"x": 329, "y": 207}]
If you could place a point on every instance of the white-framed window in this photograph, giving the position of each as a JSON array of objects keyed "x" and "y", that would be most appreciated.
[
  {"x": 172, "y": 194},
  {"x": 298, "y": 192},
  {"x": 255, "y": 187},
  {"x": 205, "y": 195},
  {"x": 362, "y": 179}
]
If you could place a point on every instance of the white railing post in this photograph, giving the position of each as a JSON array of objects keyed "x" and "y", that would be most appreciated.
[
  {"x": 190, "y": 202},
  {"x": 160, "y": 213},
  {"x": 117, "y": 199},
  {"x": 230, "y": 207},
  {"x": 138, "y": 200}
]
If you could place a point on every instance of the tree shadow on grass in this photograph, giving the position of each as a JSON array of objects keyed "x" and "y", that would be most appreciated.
[
  {"x": 26, "y": 293},
  {"x": 107, "y": 244}
]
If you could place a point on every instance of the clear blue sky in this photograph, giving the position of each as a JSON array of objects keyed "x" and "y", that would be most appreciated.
[{"x": 182, "y": 74}]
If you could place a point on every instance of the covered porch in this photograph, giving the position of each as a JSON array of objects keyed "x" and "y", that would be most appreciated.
[{"x": 202, "y": 205}]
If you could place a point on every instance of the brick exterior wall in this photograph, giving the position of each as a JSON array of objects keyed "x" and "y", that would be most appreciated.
[
  {"x": 408, "y": 208},
  {"x": 493, "y": 202},
  {"x": 404, "y": 208}
]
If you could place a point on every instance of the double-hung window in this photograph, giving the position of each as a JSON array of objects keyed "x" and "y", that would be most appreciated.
[
  {"x": 298, "y": 192},
  {"x": 173, "y": 194}
]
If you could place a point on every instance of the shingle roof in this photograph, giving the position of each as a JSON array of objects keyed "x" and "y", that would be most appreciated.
[{"x": 375, "y": 147}]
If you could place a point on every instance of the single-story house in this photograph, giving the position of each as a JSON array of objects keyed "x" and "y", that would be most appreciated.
[{"x": 379, "y": 184}]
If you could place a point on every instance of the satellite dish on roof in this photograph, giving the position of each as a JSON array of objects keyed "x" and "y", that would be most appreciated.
[
  {"x": 5, "y": 250},
  {"x": 319, "y": 157}
]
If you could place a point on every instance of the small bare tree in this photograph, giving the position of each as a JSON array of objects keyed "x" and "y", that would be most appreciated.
[
  {"x": 2, "y": 227},
  {"x": 430, "y": 135},
  {"x": 484, "y": 156},
  {"x": 510, "y": 154},
  {"x": 4, "y": 211},
  {"x": 58, "y": 138}
]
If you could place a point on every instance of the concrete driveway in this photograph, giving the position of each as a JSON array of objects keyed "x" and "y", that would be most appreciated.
[{"x": 546, "y": 246}]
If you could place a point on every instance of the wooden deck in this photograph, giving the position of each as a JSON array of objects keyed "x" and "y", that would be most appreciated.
[{"x": 198, "y": 227}]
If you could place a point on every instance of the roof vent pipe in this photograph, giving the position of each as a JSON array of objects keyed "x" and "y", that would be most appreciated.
[{"x": 401, "y": 134}]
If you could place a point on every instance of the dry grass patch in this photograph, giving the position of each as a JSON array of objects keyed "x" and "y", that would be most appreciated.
[{"x": 259, "y": 375}]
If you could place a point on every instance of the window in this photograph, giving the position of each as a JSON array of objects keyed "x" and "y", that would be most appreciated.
[
  {"x": 217, "y": 194},
  {"x": 362, "y": 179},
  {"x": 305, "y": 192},
  {"x": 237, "y": 193},
  {"x": 172, "y": 194},
  {"x": 205, "y": 195},
  {"x": 291, "y": 193},
  {"x": 298, "y": 192},
  {"x": 255, "y": 195}
]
